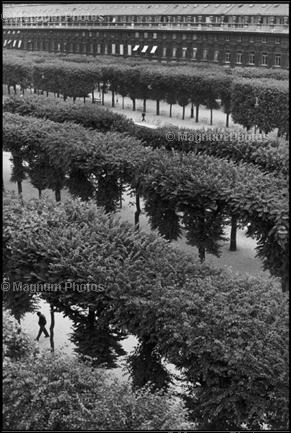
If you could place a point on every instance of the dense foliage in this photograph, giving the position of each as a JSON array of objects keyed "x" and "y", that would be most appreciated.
[
  {"x": 226, "y": 332},
  {"x": 218, "y": 142},
  {"x": 16, "y": 343},
  {"x": 183, "y": 179},
  {"x": 200, "y": 86},
  {"x": 52, "y": 392},
  {"x": 262, "y": 103}
]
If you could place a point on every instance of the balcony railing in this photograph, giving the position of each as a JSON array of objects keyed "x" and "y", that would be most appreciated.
[{"x": 87, "y": 25}]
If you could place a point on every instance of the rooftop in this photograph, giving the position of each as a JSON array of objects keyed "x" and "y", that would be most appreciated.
[{"x": 114, "y": 9}]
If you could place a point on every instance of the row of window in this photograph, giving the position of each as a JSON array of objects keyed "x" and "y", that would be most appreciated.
[
  {"x": 184, "y": 52},
  {"x": 184, "y": 36},
  {"x": 151, "y": 19}
]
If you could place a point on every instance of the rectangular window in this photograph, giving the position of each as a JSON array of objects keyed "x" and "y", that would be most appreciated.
[
  {"x": 164, "y": 51},
  {"x": 238, "y": 59},
  {"x": 145, "y": 35},
  {"x": 239, "y": 39},
  {"x": 174, "y": 36},
  {"x": 194, "y": 37},
  {"x": 154, "y": 36},
  {"x": 205, "y": 54},
  {"x": 174, "y": 52},
  {"x": 194, "y": 53},
  {"x": 251, "y": 39},
  {"x": 113, "y": 49},
  {"x": 121, "y": 49},
  {"x": 278, "y": 60},
  {"x": 264, "y": 39},
  {"x": 227, "y": 57},
  {"x": 136, "y": 34},
  {"x": 227, "y": 37},
  {"x": 215, "y": 56},
  {"x": 184, "y": 53},
  {"x": 98, "y": 48},
  {"x": 264, "y": 59},
  {"x": 184, "y": 36},
  {"x": 91, "y": 49},
  {"x": 252, "y": 58},
  {"x": 129, "y": 50},
  {"x": 105, "y": 49},
  {"x": 277, "y": 40},
  {"x": 77, "y": 48},
  {"x": 59, "y": 47}
]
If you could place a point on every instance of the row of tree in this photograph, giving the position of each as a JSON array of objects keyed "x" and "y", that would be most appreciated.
[
  {"x": 57, "y": 151},
  {"x": 175, "y": 86},
  {"x": 227, "y": 334},
  {"x": 233, "y": 145}
]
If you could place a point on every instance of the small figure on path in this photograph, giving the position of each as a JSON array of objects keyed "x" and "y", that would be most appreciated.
[
  {"x": 143, "y": 116},
  {"x": 42, "y": 323}
]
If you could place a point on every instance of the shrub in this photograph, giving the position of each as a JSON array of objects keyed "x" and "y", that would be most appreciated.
[
  {"x": 52, "y": 392},
  {"x": 227, "y": 332}
]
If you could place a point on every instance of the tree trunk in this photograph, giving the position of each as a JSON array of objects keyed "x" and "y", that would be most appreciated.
[
  {"x": 47, "y": 93},
  {"x": 183, "y": 112},
  {"x": 8, "y": 89},
  {"x": 192, "y": 111},
  {"x": 19, "y": 187},
  {"x": 133, "y": 104},
  {"x": 197, "y": 113},
  {"x": 158, "y": 107},
  {"x": 171, "y": 106},
  {"x": 58, "y": 195},
  {"x": 145, "y": 105},
  {"x": 15, "y": 90},
  {"x": 39, "y": 193},
  {"x": 233, "y": 233},
  {"x": 211, "y": 116},
  {"x": 93, "y": 97},
  {"x": 123, "y": 102},
  {"x": 113, "y": 100},
  {"x": 74, "y": 99},
  {"x": 137, "y": 202},
  {"x": 103, "y": 93},
  {"x": 84, "y": 99},
  {"x": 227, "y": 120},
  {"x": 58, "y": 94},
  {"x": 52, "y": 328}
]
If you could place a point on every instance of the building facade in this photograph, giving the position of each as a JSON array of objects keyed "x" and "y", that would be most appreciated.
[{"x": 227, "y": 34}]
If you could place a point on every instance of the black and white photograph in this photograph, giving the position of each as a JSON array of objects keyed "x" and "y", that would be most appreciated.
[{"x": 145, "y": 228}]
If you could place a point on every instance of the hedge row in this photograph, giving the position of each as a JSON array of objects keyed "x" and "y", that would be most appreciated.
[
  {"x": 57, "y": 150},
  {"x": 246, "y": 72},
  {"x": 221, "y": 143},
  {"x": 183, "y": 86},
  {"x": 228, "y": 334}
]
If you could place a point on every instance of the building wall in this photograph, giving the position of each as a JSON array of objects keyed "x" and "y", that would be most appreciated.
[{"x": 212, "y": 47}]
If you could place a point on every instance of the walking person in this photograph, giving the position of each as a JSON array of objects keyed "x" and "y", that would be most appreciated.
[
  {"x": 42, "y": 323},
  {"x": 143, "y": 116}
]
